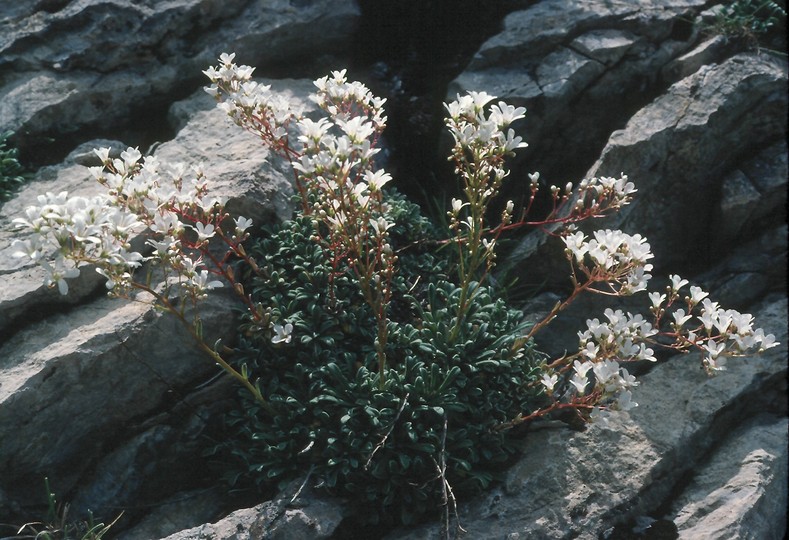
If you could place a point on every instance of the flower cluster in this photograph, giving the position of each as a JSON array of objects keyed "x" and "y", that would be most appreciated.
[
  {"x": 613, "y": 257},
  {"x": 67, "y": 232},
  {"x": 481, "y": 146},
  {"x": 622, "y": 336},
  {"x": 704, "y": 325},
  {"x": 169, "y": 201},
  {"x": 340, "y": 185},
  {"x": 701, "y": 324}
]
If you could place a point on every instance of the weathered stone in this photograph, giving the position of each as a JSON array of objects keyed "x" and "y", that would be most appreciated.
[
  {"x": 93, "y": 64},
  {"x": 769, "y": 173},
  {"x": 605, "y": 46},
  {"x": 738, "y": 199},
  {"x": 235, "y": 526},
  {"x": 750, "y": 271},
  {"x": 93, "y": 369},
  {"x": 184, "y": 510},
  {"x": 567, "y": 62},
  {"x": 675, "y": 149},
  {"x": 296, "y": 514},
  {"x": 741, "y": 489},
  {"x": 564, "y": 73},
  {"x": 710, "y": 51}
]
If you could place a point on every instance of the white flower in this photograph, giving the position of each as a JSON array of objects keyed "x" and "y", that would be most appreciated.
[
  {"x": 130, "y": 157},
  {"x": 605, "y": 370},
  {"x": 677, "y": 282},
  {"x": 579, "y": 382},
  {"x": 697, "y": 295},
  {"x": 242, "y": 224},
  {"x": 577, "y": 245},
  {"x": 282, "y": 334},
  {"x": 58, "y": 272},
  {"x": 713, "y": 364},
  {"x": 549, "y": 381},
  {"x": 657, "y": 299},
  {"x": 376, "y": 180},
  {"x": 581, "y": 369},
  {"x": 202, "y": 282},
  {"x": 103, "y": 154},
  {"x": 457, "y": 205},
  {"x": 503, "y": 114},
  {"x": 204, "y": 231},
  {"x": 714, "y": 349},
  {"x": 226, "y": 59},
  {"x": 680, "y": 318},
  {"x": 381, "y": 225},
  {"x": 624, "y": 401},
  {"x": 768, "y": 342}
]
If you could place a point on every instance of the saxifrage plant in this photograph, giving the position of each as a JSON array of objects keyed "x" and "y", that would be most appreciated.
[{"x": 374, "y": 356}]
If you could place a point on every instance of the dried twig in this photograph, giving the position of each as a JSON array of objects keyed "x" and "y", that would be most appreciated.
[{"x": 388, "y": 431}]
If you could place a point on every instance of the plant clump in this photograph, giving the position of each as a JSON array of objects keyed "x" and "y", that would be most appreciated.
[
  {"x": 376, "y": 354},
  {"x": 12, "y": 173}
]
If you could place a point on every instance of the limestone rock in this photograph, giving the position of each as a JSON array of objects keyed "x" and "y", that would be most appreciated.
[
  {"x": 566, "y": 62},
  {"x": 710, "y": 51},
  {"x": 752, "y": 462},
  {"x": 83, "y": 66},
  {"x": 676, "y": 148},
  {"x": 184, "y": 510},
  {"x": 296, "y": 514}
]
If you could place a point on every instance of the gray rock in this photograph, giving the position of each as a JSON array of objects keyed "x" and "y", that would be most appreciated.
[
  {"x": 235, "y": 526},
  {"x": 94, "y": 369},
  {"x": 710, "y": 51},
  {"x": 93, "y": 64},
  {"x": 568, "y": 63},
  {"x": 296, "y": 514},
  {"x": 676, "y": 148},
  {"x": 739, "y": 198},
  {"x": 180, "y": 512},
  {"x": 751, "y": 270},
  {"x": 740, "y": 492},
  {"x": 605, "y": 46},
  {"x": 564, "y": 73}
]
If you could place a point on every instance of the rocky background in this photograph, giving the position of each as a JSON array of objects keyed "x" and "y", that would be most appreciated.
[{"x": 110, "y": 402}]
